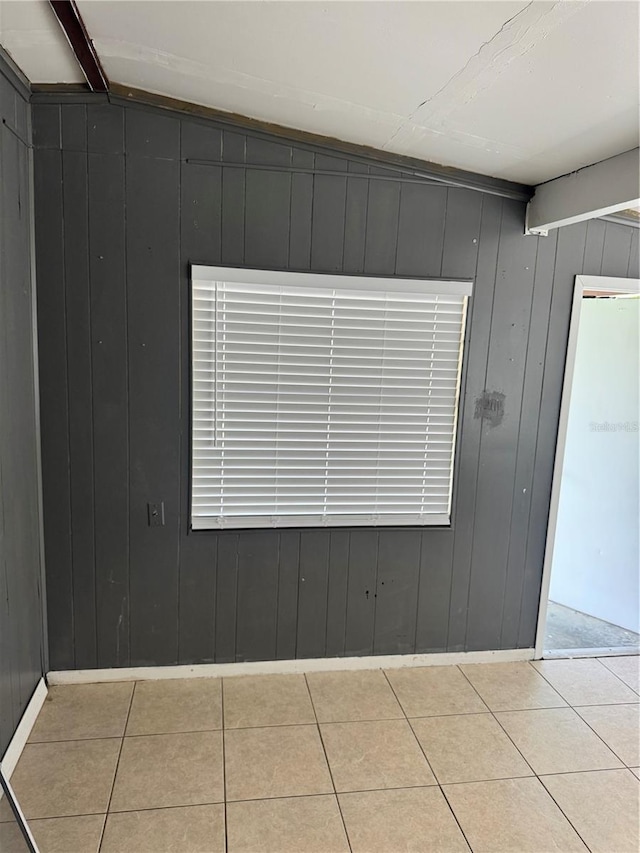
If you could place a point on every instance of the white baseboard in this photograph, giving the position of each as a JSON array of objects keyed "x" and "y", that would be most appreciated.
[
  {"x": 21, "y": 734},
  {"x": 211, "y": 670}
]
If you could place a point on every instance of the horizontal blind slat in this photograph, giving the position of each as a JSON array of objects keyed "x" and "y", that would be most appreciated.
[{"x": 322, "y": 404}]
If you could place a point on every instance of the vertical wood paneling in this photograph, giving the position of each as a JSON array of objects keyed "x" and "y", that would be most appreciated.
[
  {"x": 200, "y": 141},
  {"x": 226, "y": 597},
  {"x": 594, "y": 247},
  {"x": 268, "y": 206},
  {"x": 250, "y": 595},
  {"x": 615, "y": 253},
  {"x": 382, "y": 224},
  {"x": 396, "y": 591},
  {"x": 109, "y": 363},
  {"x": 200, "y": 242},
  {"x": 328, "y": 217},
  {"x": 233, "y": 190},
  {"x": 78, "y": 345},
  {"x": 256, "y": 628},
  {"x": 421, "y": 230},
  {"x": 461, "y": 233},
  {"x": 105, "y": 129},
  {"x": 466, "y": 470},
  {"x": 569, "y": 254},
  {"x": 21, "y": 622},
  {"x": 505, "y": 374},
  {"x": 152, "y": 134},
  {"x": 337, "y": 592},
  {"x": 74, "y": 127},
  {"x": 527, "y": 439},
  {"x": 434, "y": 590},
  {"x": 54, "y": 421},
  {"x": 288, "y": 562},
  {"x": 153, "y": 275},
  {"x": 312, "y": 593},
  {"x": 14, "y": 413},
  {"x": 300, "y": 209},
  {"x": 47, "y": 127},
  {"x": 361, "y": 590},
  {"x": 355, "y": 218},
  {"x": 268, "y": 200}
]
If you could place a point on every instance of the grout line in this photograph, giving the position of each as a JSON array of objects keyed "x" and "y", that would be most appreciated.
[
  {"x": 600, "y": 660},
  {"x": 115, "y": 774},
  {"x": 326, "y": 758},
  {"x": 565, "y": 815},
  {"x": 224, "y": 768},
  {"x": 339, "y": 793},
  {"x": 599, "y": 736},
  {"x": 503, "y": 728},
  {"x": 439, "y": 786},
  {"x": 574, "y": 704},
  {"x": 538, "y": 775}
]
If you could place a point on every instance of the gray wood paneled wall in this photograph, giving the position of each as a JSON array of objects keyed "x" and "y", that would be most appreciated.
[
  {"x": 21, "y": 628},
  {"x": 120, "y": 214}
]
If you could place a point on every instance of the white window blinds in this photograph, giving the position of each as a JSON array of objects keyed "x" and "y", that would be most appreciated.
[{"x": 322, "y": 399}]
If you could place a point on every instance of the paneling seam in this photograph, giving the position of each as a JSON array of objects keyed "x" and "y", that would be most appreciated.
[{"x": 486, "y": 369}]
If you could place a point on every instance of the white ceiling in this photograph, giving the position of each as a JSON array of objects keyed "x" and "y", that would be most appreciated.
[
  {"x": 30, "y": 32},
  {"x": 521, "y": 90}
]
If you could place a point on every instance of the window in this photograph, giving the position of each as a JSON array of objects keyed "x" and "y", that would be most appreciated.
[{"x": 323, "y": 400}]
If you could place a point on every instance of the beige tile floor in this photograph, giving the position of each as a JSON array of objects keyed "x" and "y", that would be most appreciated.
[{"x": 509, "y": 757}]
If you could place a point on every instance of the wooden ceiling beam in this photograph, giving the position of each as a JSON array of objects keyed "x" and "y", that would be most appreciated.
[{"x": 68, "y": 15}]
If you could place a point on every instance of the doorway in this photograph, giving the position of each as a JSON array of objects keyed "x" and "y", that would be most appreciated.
[{"x": 590, "y": 600}]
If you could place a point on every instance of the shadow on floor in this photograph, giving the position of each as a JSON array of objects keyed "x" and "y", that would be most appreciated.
[{"x": 570, "y": 629}]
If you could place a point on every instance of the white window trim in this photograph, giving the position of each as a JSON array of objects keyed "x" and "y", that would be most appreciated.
[{"x": 351, "y": 282}]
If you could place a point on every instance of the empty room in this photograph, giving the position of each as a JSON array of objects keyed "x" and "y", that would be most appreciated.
[{"x": 319, "y": 426}]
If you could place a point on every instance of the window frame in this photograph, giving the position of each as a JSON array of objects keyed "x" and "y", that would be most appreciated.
[{"x": 405, "y": 284}]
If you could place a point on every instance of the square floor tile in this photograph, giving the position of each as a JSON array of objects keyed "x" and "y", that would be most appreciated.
[
  {"x": 626, "y": 668},
  {"x": 511, "y": 816},
  {"x": 429, "y": 691},
  {"x": 279, "y": 761},
  {"x": 6, "y": 815},
  {"x": 556, "y": 740},
  {"x": 11, "y": 839},
  {"x": 191, "y": 829},
  {"x": 512, "y": 686},
  {"x": 266, "y": 700},
  {"x": 62, "y": 779},
  {"x": 169, "y": 770},
  {"x": 469, "y": 748},
  {"x": 409, "y": 820},
  {"x": 176, "y": 705},
  {"x": 379, "y": 754},
  {"x": 585, "y": 682},
  {"x": 604, "y": 808},
  {"x": 68, "y": 834},
  {"x": 619, "y": 728},
  {"x": 309, "y": 824},
  {"x": 78, "y": 711},
  {"x": 349, "y": 696}
]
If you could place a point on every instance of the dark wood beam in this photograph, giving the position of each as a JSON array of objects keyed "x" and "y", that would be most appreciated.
[{"x": 73, "y": 27}]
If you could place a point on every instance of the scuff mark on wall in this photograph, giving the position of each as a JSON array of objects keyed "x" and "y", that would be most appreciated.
[{"x": 489, "y": 407}]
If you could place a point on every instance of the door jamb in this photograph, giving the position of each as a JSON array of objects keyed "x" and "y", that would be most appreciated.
[{"x": 582, "y": 283}]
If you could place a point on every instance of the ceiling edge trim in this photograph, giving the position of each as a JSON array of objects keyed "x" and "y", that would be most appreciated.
[
  {"x": 128, "y": 96},
  {"x": 621, "y": 219}
]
